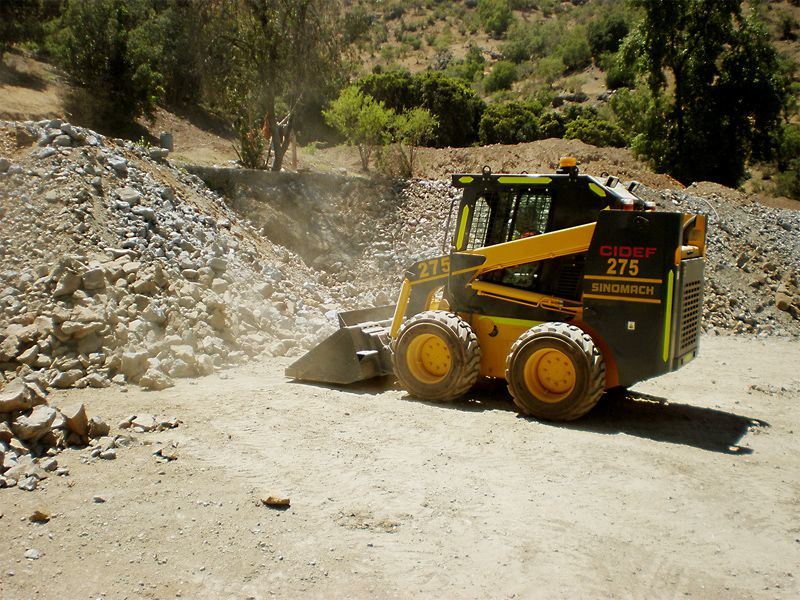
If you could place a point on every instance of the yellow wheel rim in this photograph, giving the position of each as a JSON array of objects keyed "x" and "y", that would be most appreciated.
[
  {"x": 428, "y": 358},
  {"x": 549, "y": 375}
]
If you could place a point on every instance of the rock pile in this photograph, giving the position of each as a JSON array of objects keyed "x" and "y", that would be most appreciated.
[
  {"x": 753, "y": 260},
  {"x": 33, "y": 433},
  {"x": 119, "y": 267}
]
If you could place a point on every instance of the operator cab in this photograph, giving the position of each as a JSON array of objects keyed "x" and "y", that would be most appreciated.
[{"x": 499, "y": 208}]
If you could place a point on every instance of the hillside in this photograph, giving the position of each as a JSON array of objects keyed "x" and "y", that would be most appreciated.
[{"x": 418, "y": 35}]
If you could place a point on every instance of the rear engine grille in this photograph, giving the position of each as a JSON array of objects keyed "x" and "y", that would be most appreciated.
[{"x": 690, "y": 315}]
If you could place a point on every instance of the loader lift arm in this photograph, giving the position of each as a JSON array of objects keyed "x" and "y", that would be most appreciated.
[{"x": 463, "y": 268}]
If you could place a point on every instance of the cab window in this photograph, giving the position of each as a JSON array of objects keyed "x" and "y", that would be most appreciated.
[{"x": 480, "y": 224}]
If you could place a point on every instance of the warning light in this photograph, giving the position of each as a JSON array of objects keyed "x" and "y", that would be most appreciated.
[{"x": 567, "y": 161}]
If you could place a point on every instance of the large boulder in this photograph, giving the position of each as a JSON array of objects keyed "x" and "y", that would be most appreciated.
[
  {"x": 35, "y": 425},
  {"x": 16, "y": 396},
  {"x": 77, "y": 421},
  {"x": 154, "y": 379}
]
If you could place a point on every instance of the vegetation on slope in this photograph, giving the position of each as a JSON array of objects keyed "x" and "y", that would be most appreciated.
[{"x": 700, "y": 90}]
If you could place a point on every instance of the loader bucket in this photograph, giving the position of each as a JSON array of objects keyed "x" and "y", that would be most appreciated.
[{"x": 358, "y": 351}]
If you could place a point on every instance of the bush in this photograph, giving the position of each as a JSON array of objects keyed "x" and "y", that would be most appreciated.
[
  {"x": 606, "y": 34},
  {"x": 495, "y": 16},
  {"x": 452, "y": 102},
  {"x": 575, "y": 52},
  {"x": 595, "y": 131},
  {"x": 549, "y": 69},
  {"x": 363, "y": 121},
  {"x": 396, "y": 89},
  {"x": 619, "y": 73},
  {"x": 502, "y": 77},
  {"x": 787, "y": 182},
  {"x": 120, "y": 66},
  {"x": 470, "y": 68},
  {"x": 510, "y": 123},
  {"x": 552, "y": 125},
  {"x": 521, "y": 43}
]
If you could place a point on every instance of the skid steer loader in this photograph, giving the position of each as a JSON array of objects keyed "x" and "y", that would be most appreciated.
[{"x": 563, "y": 284}]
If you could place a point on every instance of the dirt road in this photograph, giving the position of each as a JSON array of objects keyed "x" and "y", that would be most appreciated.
[{"x": 394, "y": 498}]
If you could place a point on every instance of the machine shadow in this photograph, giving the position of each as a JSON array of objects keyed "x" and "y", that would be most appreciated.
[
  {"x": 662, "y": 421},
  {"x": 638, "y": 415},
  {"x": 632, "y": 413}
]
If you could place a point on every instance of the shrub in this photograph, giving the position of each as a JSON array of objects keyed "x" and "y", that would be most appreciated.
[
  {"x": 451, "y": 101},
  {"x": 606, "y": 34},
  {"x": 550, "y": 68},
  {"x": 595, "y": 131},
  {"x": 495, "y": 16},
  {"x": 619, "y": 73},
  {"x": 363, "y": 121},
  {"x": 502, "y": 77},
  {"x": 510, "y": 123},
  {"x": 120, "y": 66},
  {"x": 551, "y": 125},
  {"x": 575, "y": 52},
  {"x": 521, "y": 43}
]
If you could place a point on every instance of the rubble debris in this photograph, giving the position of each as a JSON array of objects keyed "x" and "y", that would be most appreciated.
[{"x": 276, "y": 502}]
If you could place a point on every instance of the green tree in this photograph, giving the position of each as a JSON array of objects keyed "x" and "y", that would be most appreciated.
[
  {"x": 456, "y": 107},
  {"x": 595, "y": 131},
  {"x": 495, "y": 16},
  {"x": 363, "y": 121},
  {"x": 574, "y": 50},
  {"x": 502, "y": 76},
  {"x": 606, "y": 34},
  {"x": 119, "y": 68},
  {"x": 22, "y": 20},
  {"x": 281, "y": 55},
  {"x": 412, "y": 130},
  {"x": 510, "y": 123},
  {"x": 727, "y": 89}
]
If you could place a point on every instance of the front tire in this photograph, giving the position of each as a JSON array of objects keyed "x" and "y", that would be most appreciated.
[
  {"x": 436, "y": 356},
  {"x": 555, "y": 372}
]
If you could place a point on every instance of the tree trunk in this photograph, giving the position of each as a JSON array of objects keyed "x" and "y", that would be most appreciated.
[{"x": 281, "y": 138}]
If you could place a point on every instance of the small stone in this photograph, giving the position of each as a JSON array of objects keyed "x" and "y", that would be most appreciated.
[
  {"x": 49, "y": 464},
  {"x": 39, "y": 516},
  {"x": 15, "y": 396},
  {"x": 35, "y": 425},
  {"x": 118, "y": 163},
  {"x": 98, "y": 428},
  {"x": 265, "y": 289},
  {"x": 33, "y": 554},
  {"x": 109, "y": 454},
  {"x": 158, "y": 153},
  {"x": 94, "y": 279},
  {"x": 276, "y": 502},
  {"x": 143, "y": 423},
  {"x": 98, "y": 499},
  {"x": 67, "y": 285},
  {"x": 28, "y": 484},
  {"x": 129, "y": 195}
]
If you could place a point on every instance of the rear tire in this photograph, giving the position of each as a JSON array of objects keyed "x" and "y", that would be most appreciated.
[
  {"x": 436, "y": 356},
  {"x": 555, "y": 372}
]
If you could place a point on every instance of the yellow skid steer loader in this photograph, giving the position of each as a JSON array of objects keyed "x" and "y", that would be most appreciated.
[{"x": 563, "y": 284}]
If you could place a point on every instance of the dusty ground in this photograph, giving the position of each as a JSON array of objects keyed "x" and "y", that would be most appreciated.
[{"x": 398, "y": 498}]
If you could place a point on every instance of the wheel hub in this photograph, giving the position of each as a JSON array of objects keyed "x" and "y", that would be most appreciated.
[
  {"x": 429, "y": 358},
  {"x": 550, "y": 375}
]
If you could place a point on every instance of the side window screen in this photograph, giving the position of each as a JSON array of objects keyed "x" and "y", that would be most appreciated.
[
  {"x": 531, "y": 215},
  {"x": 480, "y": 224}
]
